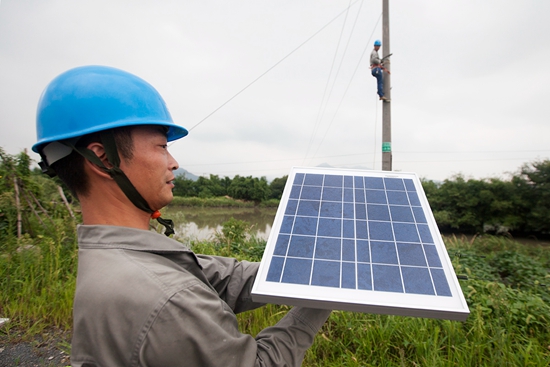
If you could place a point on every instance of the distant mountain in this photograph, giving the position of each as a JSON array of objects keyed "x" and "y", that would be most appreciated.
[{"x": 185, "y": 173}]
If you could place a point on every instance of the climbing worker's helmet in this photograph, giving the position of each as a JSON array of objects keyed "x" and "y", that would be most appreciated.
[
  {"x": 377, "y": 43},
  {"x": 89, "y": 99}
]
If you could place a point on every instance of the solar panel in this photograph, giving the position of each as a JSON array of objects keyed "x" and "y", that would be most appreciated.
[{"x": 361, "y": 241}]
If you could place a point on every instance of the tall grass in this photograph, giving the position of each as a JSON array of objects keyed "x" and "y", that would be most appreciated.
[
  {"x": 37, "y": 279},
  {"x": 508, "y": 292}
]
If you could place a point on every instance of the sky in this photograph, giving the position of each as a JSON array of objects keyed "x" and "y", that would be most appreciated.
[{"x": 267, "y": 85}]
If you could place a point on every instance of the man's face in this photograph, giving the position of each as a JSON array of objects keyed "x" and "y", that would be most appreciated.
[
  {"x": 377, "y": 48},
  {"x": 151, "y": 167}
]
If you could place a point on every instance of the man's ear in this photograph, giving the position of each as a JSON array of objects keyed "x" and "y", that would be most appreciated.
[{"x": 98, "y": 149}]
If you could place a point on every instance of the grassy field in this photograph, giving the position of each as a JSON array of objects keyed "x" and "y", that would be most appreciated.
[{"x": 508, "y": 292}]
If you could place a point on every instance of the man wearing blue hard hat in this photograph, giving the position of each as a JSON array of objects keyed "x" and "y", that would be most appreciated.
[
  {"x": 144, "y": 299},
  {"x": 377, "y": 69}
]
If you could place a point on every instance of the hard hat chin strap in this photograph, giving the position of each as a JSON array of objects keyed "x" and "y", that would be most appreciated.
[{"x": 120, "y": 177}]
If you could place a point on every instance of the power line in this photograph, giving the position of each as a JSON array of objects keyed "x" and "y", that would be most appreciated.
[
  {"x": 271, "y": 68},
  {"x": 399, "y": 152},
  {"x": 347, "y": 88},
  {"x": 323, "y": 104}
]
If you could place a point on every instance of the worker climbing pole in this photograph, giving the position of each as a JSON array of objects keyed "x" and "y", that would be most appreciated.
[{"x": 377, "y": 70}]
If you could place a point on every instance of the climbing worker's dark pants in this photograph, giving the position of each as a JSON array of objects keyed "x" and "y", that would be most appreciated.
[{"x": 377, "y": 73}]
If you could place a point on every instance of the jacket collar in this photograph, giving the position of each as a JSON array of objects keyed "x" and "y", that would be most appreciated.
[{"x": 115, "y": 237}]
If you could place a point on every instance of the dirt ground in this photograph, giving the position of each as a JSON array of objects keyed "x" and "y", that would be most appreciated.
[{"x": 39, "y": 352}]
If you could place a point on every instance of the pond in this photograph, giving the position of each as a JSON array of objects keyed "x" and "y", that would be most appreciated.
[{"x": 202, "y": 223}]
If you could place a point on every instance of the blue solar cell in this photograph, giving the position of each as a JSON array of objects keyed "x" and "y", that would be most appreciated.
[
  {"x": 332, "y": 194},
  {"x": 383, "y": 253},
  {"x": 282, "y": 244},
  {"x": 311, "y": 193},
  {"x": 364, "y": 276},
  {"x": 313, "y": 179},
  {"x": 275, "y": 269},
  {"x": 413, "y": 198},
  {"x": 380, "y": 231},
  {"x": 348, "y": 195},
  {"x": 411, "y": 254},
  {"x": 331, "y": 209},
  {"x": 348, "y": 181},
  {"x": 358, "y": 182},
  {"x": 401, "y": 213},
  {"x": 326, "y": 273},
  {"x": 405, "y": 232},
  {"x": 363, "y": 251},
  {"x": 409, "y": 184},
  {"x": 397, "y": 197},
  {"x": 328, "y": 248},
  {"x": 359, "y": 195},
  {"x": 440, "y": 282},
  {"x": 348, "y": 275},
  {"x": 288, "y": 223},
  {"x": 432, "y": 256},
  {"x": 378, "y": 212},
  {"x": 387, "y": 278},
  {"x": 349, "y": 212},
  {"x": 417, "y": 280},
  {"x": 374, "y": 183},
  {"x": 360, "y": 211},
  {"x": 361, "y": 230},
  {"x": 330, "y": 227},
  {"x": 295, "y": 192},
  {"x": 348, "y": 250},
  {"x": 301, "y": 246},
  {"x": 419, "y": 215},
  {"x": 334, "y": 180},
  {"x": 348, "y": 229},
  {"x": 309, "y": 208},
  {"x": 394, "y": 184},
  {"x": 299, "y": 179},
  {"x": 376, "y": 197},
  {"x": 291, "y": 207},
  {"x": 305, "y": 225},
  {"x": 425, "y": 233},
  {"x": 297, "y": 271}
]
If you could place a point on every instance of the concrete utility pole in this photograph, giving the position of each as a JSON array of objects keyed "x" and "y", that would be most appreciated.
[{"x": 386, "y": 106}]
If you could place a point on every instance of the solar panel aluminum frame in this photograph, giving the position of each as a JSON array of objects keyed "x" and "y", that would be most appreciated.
[{"x": 453, "y": 307}]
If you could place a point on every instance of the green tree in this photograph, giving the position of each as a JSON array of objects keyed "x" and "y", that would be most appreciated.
[
  {"x": 249, "y": 188},
  {"x": 277, "y": 187},
  {"x": 533, "y": 186},
  {"x": 184, "y": 187},
  {"x": 473, "y": 205},
  {"x": 212, "y": 186}
]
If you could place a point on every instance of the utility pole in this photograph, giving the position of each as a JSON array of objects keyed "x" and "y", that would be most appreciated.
[{"x": 386, "y": 106}]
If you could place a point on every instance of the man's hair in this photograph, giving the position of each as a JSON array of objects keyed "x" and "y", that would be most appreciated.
[{"x": 70, "y": 169}]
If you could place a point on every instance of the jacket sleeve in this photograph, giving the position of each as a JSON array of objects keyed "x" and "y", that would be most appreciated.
[
  {"x": 232, "y": 280},
  {"x": 196, "y": 328}
]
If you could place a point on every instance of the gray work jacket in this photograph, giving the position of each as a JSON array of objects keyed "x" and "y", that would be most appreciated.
[
  {"x": 143, "y": 299},
  {"x": 374, "y": 58}
]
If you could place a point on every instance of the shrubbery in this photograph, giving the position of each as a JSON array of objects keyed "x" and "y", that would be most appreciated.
[{"x": 520, "y": 205}]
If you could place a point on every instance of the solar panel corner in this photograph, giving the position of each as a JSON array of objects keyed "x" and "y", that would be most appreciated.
[{"x": 363, "y": 241}]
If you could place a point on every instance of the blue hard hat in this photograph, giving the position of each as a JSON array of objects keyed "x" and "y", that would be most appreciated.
[
  {"x": 89, "y": 99},
  {"x": 377, "y": 43}
]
